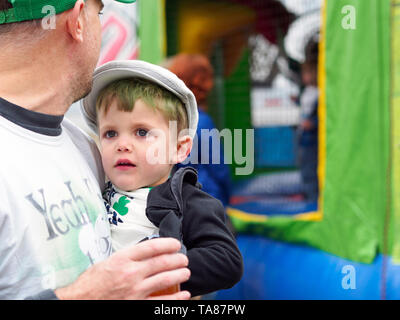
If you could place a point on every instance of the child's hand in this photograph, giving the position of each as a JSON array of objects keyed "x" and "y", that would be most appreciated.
[{"x": 307, "y": 125}]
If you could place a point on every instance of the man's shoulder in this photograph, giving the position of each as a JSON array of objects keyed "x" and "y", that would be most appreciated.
[
  {"x": 86, "y": 146},
  {"x": 75, "y": 132},
  {"x": 82, "y": 140}
]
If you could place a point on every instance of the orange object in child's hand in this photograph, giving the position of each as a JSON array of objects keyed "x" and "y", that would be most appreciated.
[{"x": 170, "y": 290}]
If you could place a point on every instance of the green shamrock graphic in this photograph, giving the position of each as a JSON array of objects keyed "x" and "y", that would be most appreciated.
[{"x": 120, "y": 206}]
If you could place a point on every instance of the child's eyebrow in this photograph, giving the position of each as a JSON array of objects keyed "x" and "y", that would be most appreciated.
[
  {"x": 143, "y": 124},
  {"x": 106, "y": 126}
]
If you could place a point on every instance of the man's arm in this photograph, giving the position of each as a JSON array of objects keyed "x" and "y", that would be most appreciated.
[{"x": 133, "y": 273}]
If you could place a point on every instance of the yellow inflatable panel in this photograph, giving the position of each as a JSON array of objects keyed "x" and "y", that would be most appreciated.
[{"x": 202, "y": 23}]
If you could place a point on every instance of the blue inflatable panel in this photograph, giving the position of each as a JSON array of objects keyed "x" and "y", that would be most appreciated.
[
  {"x": 278, "y": 270},
  {"x": 392, "y": 281},
  {"x": 277, "y": 183},
  {"x": 274, "y": 147},
  {"x": 271, "y": 194},
  {"x": 281, "y": 206}
]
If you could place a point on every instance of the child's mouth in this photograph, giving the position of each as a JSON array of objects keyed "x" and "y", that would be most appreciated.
[{"x": 124, "y": 164}]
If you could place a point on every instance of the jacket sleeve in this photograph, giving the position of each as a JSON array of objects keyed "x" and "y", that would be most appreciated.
[{"x": 215, "y": 261}]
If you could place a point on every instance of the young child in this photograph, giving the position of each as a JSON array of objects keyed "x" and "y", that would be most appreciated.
[
  {"x": 308, "y": 129},
  {"x": 146, "y": 119}
]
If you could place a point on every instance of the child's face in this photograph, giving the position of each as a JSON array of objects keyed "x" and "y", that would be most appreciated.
[
  {"x": 309, "y": 74},
  {"x": 132, "y": 157}
]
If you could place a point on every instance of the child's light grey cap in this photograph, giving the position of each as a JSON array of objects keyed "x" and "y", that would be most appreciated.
[{"x": 123, "y": 69}]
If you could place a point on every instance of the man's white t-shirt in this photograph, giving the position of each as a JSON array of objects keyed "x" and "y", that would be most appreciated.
[{"x": 53, "y": 223}]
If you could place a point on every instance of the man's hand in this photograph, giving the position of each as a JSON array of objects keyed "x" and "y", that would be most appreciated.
[{"x": 133, "y": 273}]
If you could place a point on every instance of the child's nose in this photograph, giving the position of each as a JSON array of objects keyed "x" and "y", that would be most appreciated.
[{"x": 124, "y": 146}]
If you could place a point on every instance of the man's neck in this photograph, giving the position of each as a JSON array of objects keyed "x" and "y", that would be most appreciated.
[
  {"x": 33, "y": 80},
  {"x": 37, "y": 92}
]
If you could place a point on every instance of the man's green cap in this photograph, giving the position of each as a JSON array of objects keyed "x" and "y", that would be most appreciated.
[{"x": 23, "y": 10}]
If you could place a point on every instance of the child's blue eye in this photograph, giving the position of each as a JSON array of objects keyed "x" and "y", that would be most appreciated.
[
  {"x": 141, "y": 132},
  {"x": 110, "y": 134}
]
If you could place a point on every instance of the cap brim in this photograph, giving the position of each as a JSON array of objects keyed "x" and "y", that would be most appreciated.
[{"x": 115, "y": 70}]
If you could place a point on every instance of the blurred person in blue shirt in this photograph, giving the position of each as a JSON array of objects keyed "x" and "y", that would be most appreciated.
[{"x": 196, "y": 71}]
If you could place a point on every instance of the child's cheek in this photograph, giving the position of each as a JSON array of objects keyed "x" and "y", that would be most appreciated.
[{"x": 106, "y": 160}]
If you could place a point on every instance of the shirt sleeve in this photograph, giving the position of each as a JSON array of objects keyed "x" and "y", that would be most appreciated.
[{"x": 215, "y": 261}]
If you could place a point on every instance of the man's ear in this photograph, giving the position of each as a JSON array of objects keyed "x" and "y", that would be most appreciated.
[
  {"x": 184, "y": 146},
  {"x": 75, "y": 21}
]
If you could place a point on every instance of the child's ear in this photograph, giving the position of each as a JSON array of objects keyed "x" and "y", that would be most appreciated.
[{"x": 184, "y": 146}]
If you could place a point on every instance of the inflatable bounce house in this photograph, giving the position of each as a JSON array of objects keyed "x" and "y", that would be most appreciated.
[{"x": 345, "y": 243}]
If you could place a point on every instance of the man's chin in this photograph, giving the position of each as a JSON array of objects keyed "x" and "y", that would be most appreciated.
[{"x": 87, "y": 88}]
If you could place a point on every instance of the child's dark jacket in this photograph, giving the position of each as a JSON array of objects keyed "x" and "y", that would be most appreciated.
[{"x": 183, "y": 211}]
